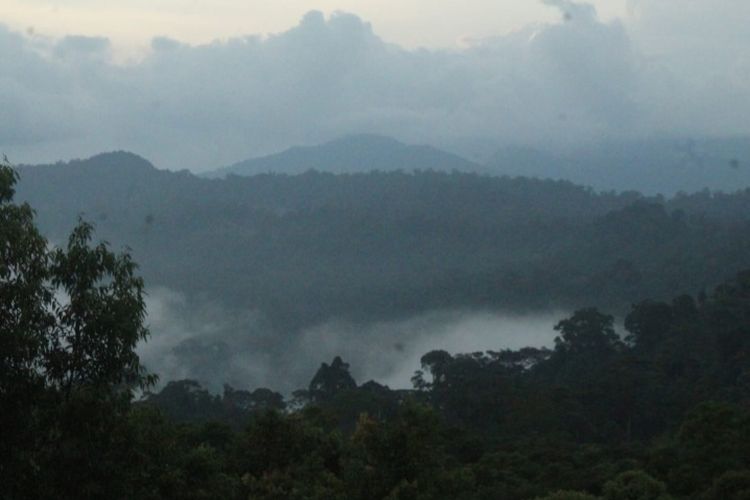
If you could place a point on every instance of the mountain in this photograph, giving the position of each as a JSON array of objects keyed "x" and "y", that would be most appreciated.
[
  {"x": 305, "y": 248},
  {"x": 241, "y": 269},
  {"x": 665, "y": 166},
  {"x": 350, "y": 154}
]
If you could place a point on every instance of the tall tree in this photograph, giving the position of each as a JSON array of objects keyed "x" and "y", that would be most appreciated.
[{"x": 70, "y": 319}]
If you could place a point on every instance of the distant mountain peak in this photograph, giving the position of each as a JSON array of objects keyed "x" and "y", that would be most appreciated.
[
  {"x": 119, "y": 159},
  {"x": 365, "y": 140},
  {"x": 351, "y": 154}
]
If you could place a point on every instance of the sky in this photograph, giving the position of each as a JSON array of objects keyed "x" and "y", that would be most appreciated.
[
  {"x": 410, "y": 23},
  {"x": 201, "y": 84}
]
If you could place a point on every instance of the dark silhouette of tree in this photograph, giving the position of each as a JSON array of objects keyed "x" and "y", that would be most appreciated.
[
  {"x": 587, "y": 331},
  {"x": 70, "y": 319},
  {"x": 330, "y": 380}
]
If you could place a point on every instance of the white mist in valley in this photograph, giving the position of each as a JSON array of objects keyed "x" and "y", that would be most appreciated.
[
  {"x": 214, "y": 345},
  {"x": 389, "y": 352},
  {"x": 201, "y": 340}
]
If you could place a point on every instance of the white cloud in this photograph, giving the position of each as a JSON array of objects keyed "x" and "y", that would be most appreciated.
[
  {"x": 389, "y": 352},
  {"x": 215, "y": 345},
  {"x": 201, "y": 106}
]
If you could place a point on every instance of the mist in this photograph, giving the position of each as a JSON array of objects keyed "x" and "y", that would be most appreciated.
[
  {"x": 552, "y": 86},
  {"x": 389, "y": 352},
  {"x": 195, "y": 339}
]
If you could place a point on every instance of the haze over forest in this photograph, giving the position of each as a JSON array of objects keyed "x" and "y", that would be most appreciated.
[{"x": 245, "y": 270}]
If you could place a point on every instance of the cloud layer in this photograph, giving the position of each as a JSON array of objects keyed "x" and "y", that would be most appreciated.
[
  {"x": 214, "y": 345},
  {"x": 550, "y": 86}
]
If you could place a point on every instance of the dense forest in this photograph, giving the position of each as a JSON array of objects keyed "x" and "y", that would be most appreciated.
[
  {"x": 658, "y": 412},
  {"x": 661, "y": 412},
  {"x": 304, "y": 248}
]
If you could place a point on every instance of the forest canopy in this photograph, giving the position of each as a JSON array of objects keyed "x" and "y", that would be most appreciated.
[
  {"x": 302, "y": 249},
  {"x": 661, "y": 412}
]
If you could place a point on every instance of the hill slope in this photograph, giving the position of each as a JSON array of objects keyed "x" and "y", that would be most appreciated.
[{"x": 305, "y": 248}]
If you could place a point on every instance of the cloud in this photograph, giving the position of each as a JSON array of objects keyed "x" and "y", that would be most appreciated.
[
  {"x": 573, "y": 11},
  {"x": 202, "y": 106},
  {"x": 82, "y": 45},
  {"x": 389, "y": 352},
  {"x": 201, "y": 340}
]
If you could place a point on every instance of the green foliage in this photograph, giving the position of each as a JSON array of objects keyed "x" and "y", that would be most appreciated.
[
  {"x": 70, "y": 319},
  {"x": 330, "y": 380},
  {"x": 302, "y": 249},
  {"x": 596, "y": 416},
  {"x": 587, "y": 332},
  {"x": 288, "y": 457},
  {"x": 732, "y": 485},
  {"x": 713, "y": 438},
  {"x": 100, "y": 320},
  {"x": 663, "y": 414},
  {"x": 186, "y": 400},
  {"x": 568, "y": 495},
  {"x": 635, "y": 485}
]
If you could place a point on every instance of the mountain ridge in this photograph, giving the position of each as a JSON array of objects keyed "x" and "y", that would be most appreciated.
[
  {"x": 651, "y": 166},
  {"x": 350, "y": 154}
]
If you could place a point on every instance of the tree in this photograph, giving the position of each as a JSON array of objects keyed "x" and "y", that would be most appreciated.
[
  {"x": 648, "y": 323},
  {"x": 330, "y": 380},
  {"x": 24, "y": 321},
  {"x": 435, "y": 363},
  {"x": 100, "y": 320},
  {"x": 587, "y": 331},
  {"x": 734, "y": 485},
  {"x": 635, "y": 485},
  {"x": 568, "y": 495},
  {"x": 70, "y": 319}
]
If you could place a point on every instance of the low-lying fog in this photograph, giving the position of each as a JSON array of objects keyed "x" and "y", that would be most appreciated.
[{"x": 215, "y": 346}]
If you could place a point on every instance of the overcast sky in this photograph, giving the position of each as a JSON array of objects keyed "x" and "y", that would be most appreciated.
[
  {"x": 199, "y": 84},
  {"x": 411, "y": 23}
]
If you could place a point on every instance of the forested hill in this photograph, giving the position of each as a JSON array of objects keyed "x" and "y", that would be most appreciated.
[
  {"x": 354, "y": 153},
  {"x": 374, "y": 245}
]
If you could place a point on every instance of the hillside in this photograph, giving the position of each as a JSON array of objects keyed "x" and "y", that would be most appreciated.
[{"x": 309, "y": 247}]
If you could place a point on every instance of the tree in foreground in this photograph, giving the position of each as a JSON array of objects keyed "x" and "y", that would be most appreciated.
[{"x": 70, "y": 319}]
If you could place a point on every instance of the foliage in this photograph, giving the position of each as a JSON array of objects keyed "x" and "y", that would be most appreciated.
[
  {"x": 303, "y": 249},
  {"x": 661, "y": 413},
  {"x": 568, "y": 495},
  {"x": 70, "y": 319},
  {"x": 635, "y": 485}
]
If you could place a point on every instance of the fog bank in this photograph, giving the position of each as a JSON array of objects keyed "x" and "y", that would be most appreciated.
[{"x": 215, "y": 346}]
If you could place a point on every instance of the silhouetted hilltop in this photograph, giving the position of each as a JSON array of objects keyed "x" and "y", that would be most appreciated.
[
  {"x": 354, "y": 153},
  {"x": 123, "y": 162}
]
